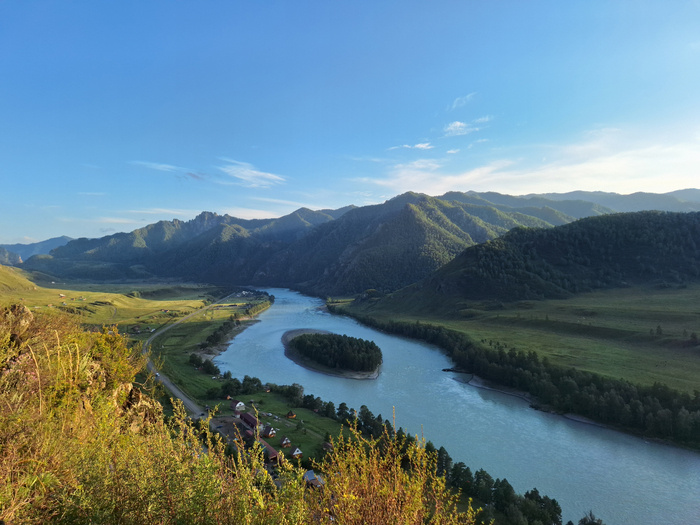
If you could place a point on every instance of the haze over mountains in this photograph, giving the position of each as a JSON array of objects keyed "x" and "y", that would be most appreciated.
[{"x": 331, "y": 252}]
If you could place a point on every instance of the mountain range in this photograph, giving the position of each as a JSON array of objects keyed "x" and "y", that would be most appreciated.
[
  {"x": 336, "y": 252},
  {"x": 25, "y": 251}
]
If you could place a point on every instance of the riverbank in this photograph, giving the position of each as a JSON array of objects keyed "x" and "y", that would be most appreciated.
[
  {"x": 309, "y": 364},
  {"x": 478, "y": 382}
]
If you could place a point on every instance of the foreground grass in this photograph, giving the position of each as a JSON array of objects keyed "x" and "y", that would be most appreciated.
[
  {"x": 81, "y": 444},
  {"x": 642, "y": 335}
]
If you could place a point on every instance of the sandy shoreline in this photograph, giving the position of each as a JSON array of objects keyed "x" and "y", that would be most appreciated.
[{"x": 315, "y": 367}]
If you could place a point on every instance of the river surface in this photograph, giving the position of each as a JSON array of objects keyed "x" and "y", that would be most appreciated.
[{"x": 623, "y": 479}]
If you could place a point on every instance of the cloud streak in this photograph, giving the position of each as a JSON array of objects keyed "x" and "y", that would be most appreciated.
[
  {"x": 247, "y": 175},
  {"x": 421, "y": 146},
  {"x": 457, "y": 128},
  {"x": 158, "y": 166},
  {"x": 462, "y": 101},
  {"x": 605, "y": 160}
]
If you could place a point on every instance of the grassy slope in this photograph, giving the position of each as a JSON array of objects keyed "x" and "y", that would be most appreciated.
[
  {"x": 171, "y": 350},
  {"x": 106, "y": 304},
  {"x": 606, "y": 332}
]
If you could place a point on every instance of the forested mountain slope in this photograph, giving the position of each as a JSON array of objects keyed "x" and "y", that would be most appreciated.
[
  {"x": 651, "y": 248},
  {"x": 385, "y": 246}
]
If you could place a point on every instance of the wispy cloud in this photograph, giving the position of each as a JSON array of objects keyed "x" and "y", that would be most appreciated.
[
  {"x": 114, "y": 220},
  {"x": 480, "y": 141},
  {"x": 182, "y": 172},
  {"x": 457, "y": 128},
  {"x": 483, "y": 120},
  {"x": 247, "y": 175},
  {"x": 422, "y": 146},
  {"x": 462, "y": 101},
  {"x": 165, "y": 211},
  {"x": 250, "y": 213},
  {"x": 296, "y": 204},
  {"x": 605, "y": 159},
  {"x": 158, "y": 166},
  {"x": 452, "y": 151}
]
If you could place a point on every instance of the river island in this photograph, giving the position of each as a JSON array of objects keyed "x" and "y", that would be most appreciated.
[{"x": 310, "y": 364}]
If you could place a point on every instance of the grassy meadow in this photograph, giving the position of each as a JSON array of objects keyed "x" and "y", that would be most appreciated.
[
  {"x": 134, "y": 308},
  {"x": 643, "y": 335}
]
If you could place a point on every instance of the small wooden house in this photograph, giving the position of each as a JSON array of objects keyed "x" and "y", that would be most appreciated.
[
  {"x": 237, "y": 405},
  {"x": 268, "y": 431},
  {"x": 291, "y": 415},
  {"x": 270, "y": 451},
  {"x": 297, "y": 453},
  {"x": 286, "y": 442},
  {"x": 313, "y": 480},
  {"x": 250, "y": 420}
]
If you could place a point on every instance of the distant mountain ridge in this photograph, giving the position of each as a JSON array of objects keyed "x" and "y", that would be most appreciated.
[
  {"x": 327, "y": 252},
  {"x": 680, "y": 200},
  {"x": 25, "y": 251}
]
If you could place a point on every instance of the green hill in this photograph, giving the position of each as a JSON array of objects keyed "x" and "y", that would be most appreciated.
[
  {"x": 651, "y": 248},
  {"x": 12, "y": 280}
]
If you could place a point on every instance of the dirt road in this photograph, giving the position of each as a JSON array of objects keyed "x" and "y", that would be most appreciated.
[{"x": 191, "y": 406}]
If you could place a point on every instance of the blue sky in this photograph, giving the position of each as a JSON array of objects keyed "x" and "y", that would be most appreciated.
[{"x": 114, "y": 115}]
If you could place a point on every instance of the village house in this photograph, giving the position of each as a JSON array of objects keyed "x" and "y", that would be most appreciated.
[
  {"x": 268, "y": 432},
  {"x": 237, "y": 405},
  {"x": 250, "y": 420},
  {"x": 297, "y": 453},
  {"x": 313, "y": 480},
  {"x": 291, "y": 415},
  {"x": 286, "y": 442},
  {"x": 270, "y": 451}
]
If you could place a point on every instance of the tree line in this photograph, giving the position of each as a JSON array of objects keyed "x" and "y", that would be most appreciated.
[
  {"x": 339, "y": 351},
  {"x": 656, "y": 411}
]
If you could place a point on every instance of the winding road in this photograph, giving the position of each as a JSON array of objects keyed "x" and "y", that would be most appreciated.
[{"x": 191, "y": 406}]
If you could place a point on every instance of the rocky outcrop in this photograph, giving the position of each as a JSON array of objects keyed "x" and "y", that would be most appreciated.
[{"x": 135, "y": 408}]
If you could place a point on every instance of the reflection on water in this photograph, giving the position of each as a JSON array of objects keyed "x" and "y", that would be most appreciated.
[{"x": 622, "y": 478}]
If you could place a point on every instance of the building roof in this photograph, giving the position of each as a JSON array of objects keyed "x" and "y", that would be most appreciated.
[
  {"x": 250, "y": 420},
  {"x": 313, "y": 479},
  {"x": 271, "y": 452}
]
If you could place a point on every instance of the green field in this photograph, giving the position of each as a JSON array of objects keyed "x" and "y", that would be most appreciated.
[
  {"x": 643, "y": 335},
  {"x": 134, "y": 308},
  {"x": 171, "y": 351}
]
